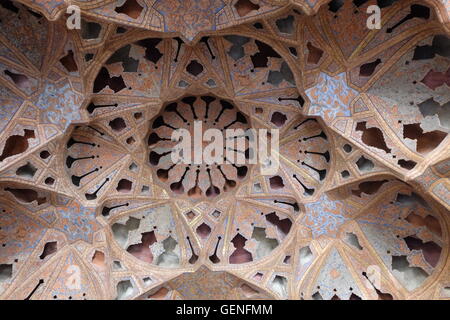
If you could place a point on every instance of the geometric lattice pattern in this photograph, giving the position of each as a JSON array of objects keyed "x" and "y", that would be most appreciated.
[{"x": 91, "y": 208}]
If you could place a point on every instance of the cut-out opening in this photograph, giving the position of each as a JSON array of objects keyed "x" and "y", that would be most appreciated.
[
  {"x": 265, "y": 245},
  {"x": 432, "y": 108},
  {"x": 237, "y": 51},
  {"x": 90, "y": 30},
  {"x": 194, "y": 68},
  {"x": 384, "y": 296},
  {"x": 306, "y": 191},
  {"x": 68, "y": 61},
  {"x": 446, "y": 292},
  {"x": 366, "y": 70},
  {"x": 409, "y": 200},
  {"x": 257, "y": 187},
  {"x": 131, "y": 8},
  {"x": 124, "y": 289},
  {"x": 142, "y": 250},
  {"x": 347, "y": 148},
  {"x": 120, "y": 231},
  {"x": 364, "y": 164},
  {"x": 190, "y": 215},
  {"x": 279, "y": 286},
  {"x": 293, "y": 51},
  {"x": 275, "y": 77},
  {"x": 286, "y": 25},
  {"x": 49, "y": 249},
  {"x": 305, "y": 256},
  {"x": 26, "y": 171},
  {"x": 152, "y": 52},
  {"x": 44, "y": 154},
  {"x": 121, "y": 30},
  {"x": 284, "y": 225},
  {"x": 417, "y": 11},
  {"x": 104, "y": 80},
  {"x": 261, "y": 58},
  {"x": 49, "y": 181},
  {"x": 147, "y": 281},
  {"x": 354, "y": 297},
  {"x": 133, "y": 167},
  {"x": 240, "y": 255},
  {"x": 19, "y": 80},
  {"x": 335, "y": 5},
  {"x": 107, "y": 210},
  {"x": 118, "y": 124},
  {"x": 88, "y": 57},
  {"x": 216, "y": 214},
  {"x": 353, "y": 240},
  {"x": 124, "y": 186},
  {"x": 211, "y": 83},
  {"x": 27, "y": 195},
  {"x": 117, "y": 265},
  {"x": 16, "y": 144},
  {"x": 368, "y": 187},
  {"x": 426, "y": 142},
  {"x": 258, "y": 276},
  {"x": 154, "y": 158},
  {"x": 9, "y": 5},
  {"x": 435, "y": 79},
  {"x": 258, "y": 25},
  {"x": 276, "y": 183},
  {"x": 278, "y": 119},
  {"x": 214, "y": 258},
  {"x": 385, "y": 3},
  {"x": 194, "y": 257},
  {"x": 317, "y": 296},
  {"x": 245, "y": 7},
  {"x": 410, "y": 277},
  {"x": 203, "y": 230},
  {"x": 168, "y": 258},
  {"x": 322, "y": 173},
  {"x": 314, "y": 54},
  {"x": 6, "y": 271},
  {"x": 439, "y": 46},
  {"x": 372, "y": 137},
  {"x": 407, "y": 164},
  {"x": 123, "y": 56},
  {"x": 98, "y": 259},
  {"x": 430, "y": 250}
]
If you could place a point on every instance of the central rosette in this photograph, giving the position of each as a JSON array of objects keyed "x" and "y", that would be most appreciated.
[{"x": 199, "y": 146}]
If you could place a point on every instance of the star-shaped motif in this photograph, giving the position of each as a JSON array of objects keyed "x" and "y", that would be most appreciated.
[
  {"x": 189, "y": 17},
  {"x": 331, "y": 97}
]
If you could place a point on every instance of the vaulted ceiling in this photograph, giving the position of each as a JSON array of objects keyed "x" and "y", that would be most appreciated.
[{"x": 92, "y": 208}]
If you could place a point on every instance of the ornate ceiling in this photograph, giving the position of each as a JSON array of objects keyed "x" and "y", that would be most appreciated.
[{"x": 92, "y": 208}]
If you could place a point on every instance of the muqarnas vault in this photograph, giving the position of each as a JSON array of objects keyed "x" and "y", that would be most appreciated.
[{"x": 91, "y": 208}]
